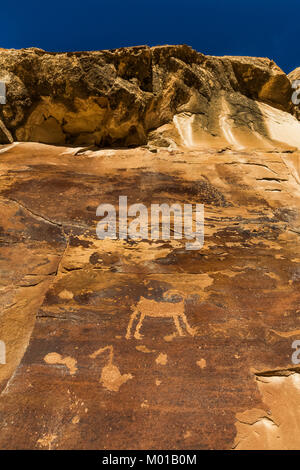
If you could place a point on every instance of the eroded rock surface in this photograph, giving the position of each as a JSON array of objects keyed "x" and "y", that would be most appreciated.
[
  {"x": 205, "y": 361},
  {"x": 294, "y": 75},
  {"x": 118, "y": 97}
]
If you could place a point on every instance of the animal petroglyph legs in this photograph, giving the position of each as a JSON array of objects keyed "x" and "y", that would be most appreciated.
[
  {"x": 137, "y": 334},
  {"x": 130, "y": 324},
  {"x": 177, "y": 324},
  {"x": 189, "y": 329},
  {"x": 176, "y": 318}
]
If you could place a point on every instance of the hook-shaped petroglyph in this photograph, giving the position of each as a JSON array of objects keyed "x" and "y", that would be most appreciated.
[
  {"x": 111, "y": 378},
  {"x": 101, "y": 350}
]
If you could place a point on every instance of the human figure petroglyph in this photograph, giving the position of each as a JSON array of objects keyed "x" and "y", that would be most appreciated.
[
  {"x": 153, "y": 309},
  {"x": 111, "y": 378}
]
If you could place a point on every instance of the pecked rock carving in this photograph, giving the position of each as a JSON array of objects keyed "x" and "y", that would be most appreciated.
[
  {"x": 142, "y": 344},
  {"x": 111, "y": 378},
  {"x": 150, "y": 308}
]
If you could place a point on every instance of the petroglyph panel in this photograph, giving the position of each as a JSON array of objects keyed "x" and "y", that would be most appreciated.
[{"x": 141, "y": 343}]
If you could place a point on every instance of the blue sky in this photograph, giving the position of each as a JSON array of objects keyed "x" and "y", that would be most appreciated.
[{"x": 262, "y": 28}]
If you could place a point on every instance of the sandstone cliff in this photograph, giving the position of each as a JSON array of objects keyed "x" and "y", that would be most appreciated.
[
  {"x": 294, "y": 75},
  {"x": 120, "y": 97},
  {"x": 85, "y": 367}
]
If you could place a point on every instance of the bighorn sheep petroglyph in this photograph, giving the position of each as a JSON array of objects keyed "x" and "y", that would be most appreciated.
[{"x": 152, "y": 308}]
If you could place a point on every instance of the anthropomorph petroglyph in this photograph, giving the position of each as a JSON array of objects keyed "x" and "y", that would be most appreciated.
[
  {"x": 111, "y": 378},
  {"x": 153, "y": 309}
]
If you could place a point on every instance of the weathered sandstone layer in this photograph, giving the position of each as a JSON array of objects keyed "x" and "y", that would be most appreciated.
[
  {"x": 85, "y": 368},
  {"x": 120, "y": 97}
]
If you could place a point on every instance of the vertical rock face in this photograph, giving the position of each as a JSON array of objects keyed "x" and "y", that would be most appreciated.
[
  {"x": 117, "y": 97},
  {"x": 143, "y": 344},
  {"x": 294, "y": 75}
]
